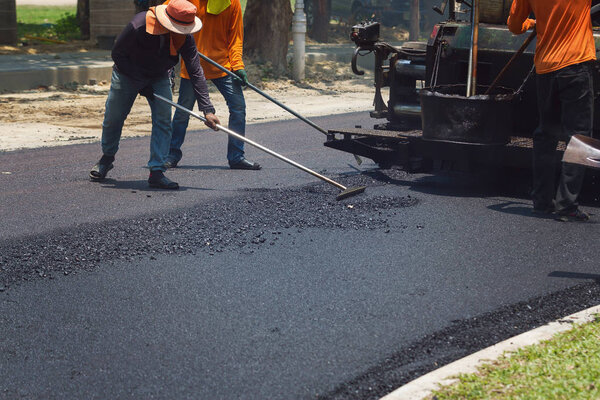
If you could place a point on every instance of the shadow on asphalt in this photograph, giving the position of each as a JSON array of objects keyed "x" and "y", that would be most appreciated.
[
  {"x": 507, "y": 182},
  {"x": 200, "y": 167},
  {"x": 459, "y": 184},
  {"x": 142, "y": 186},
  {"x": 520, "y": 209},
  {"x": 575, "y": 275},
  {"x": 524, "y": 210}
]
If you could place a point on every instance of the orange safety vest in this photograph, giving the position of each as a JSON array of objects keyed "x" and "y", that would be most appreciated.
[
  {"x": 221, "y": 39},
  {"x": 564, "y": 31}
]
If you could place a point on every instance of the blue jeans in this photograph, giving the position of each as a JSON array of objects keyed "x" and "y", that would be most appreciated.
[
  {"x": 120, "y": 99},
  {"x": 234, "y": 96}
]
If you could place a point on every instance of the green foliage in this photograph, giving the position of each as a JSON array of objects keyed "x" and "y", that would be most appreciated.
[
  {"x": 50, "y": 22},
  {"x": 565, "y": 367},
  {"x": 67, "y": 27}
]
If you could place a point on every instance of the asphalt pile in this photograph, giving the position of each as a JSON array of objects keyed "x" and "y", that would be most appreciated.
[
  {"x": 243, "y": 223},
  {"x": 462, "y": 338}
]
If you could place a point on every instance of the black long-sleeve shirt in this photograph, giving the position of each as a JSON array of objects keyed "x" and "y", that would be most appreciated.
[{"x": 145, "y": 58}]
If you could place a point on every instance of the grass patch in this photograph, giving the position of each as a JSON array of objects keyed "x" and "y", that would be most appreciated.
[
  {"x": 50, "y": 22},
  {"x": 565, "y": 367}
]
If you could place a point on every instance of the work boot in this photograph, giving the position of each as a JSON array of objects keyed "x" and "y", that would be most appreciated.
[
  {"x": 99, "y": 171},
  {"x": 158, "y": 180},
  {"x": 245, "y": 164},
  {"x": 575, "y": 215}
]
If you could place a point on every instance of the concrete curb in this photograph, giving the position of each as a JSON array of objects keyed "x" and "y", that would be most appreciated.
[
  {"x": 423, "y": 386},
  {"x": 24, "y": 72}
]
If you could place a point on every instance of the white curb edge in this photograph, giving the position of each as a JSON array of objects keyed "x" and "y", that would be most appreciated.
[{"x": 422, "y": 387}]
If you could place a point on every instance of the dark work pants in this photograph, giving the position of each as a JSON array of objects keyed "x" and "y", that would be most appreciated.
[{"x": 566, "y": 107}]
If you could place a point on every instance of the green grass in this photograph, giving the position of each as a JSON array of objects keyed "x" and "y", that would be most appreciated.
[
  {"x": 565, "y": 367},
  {"x": 51, "y": 22}
]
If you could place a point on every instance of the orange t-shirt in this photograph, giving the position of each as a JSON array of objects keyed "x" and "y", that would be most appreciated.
[
  {"x": 564, "y": 31},
  {"x": 221, "y": 39}
]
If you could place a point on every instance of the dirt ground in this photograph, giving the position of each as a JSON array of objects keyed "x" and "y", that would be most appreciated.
[{"x": 61, "y": 116}]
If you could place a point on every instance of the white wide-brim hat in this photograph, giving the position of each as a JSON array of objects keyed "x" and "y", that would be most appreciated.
[{"x": 179, "y": 16}]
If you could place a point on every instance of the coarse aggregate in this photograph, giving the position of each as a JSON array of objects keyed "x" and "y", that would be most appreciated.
[
  {"x": 247, "y": 221},
  {"x": 259, "y": 217}
]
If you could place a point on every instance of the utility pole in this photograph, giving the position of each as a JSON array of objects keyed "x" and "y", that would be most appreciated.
[
  {"x": 415, "y": 19},
  {"x": 299, "y": 38}
]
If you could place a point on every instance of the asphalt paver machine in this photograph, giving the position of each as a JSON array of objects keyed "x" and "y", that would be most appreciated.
[{"x": 417, "y": 130}]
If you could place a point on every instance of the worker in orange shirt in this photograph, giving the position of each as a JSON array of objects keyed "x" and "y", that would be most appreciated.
[
  {"x": 220, "y": 39},
  {"x": 565, "y": 47}
]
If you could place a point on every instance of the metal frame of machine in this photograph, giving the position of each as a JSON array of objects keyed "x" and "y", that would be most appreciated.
[{"x": 442, "y": 60}]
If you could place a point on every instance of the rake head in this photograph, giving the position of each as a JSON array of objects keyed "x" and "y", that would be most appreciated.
[{"x": 349, "y": 192}]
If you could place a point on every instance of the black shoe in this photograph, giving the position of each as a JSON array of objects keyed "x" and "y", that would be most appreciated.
[
  {"x": 544, "y": 211},
  {"x": 245, "y": 164},
  {"x": 573, "y": 216},
  {"x": 99, "y": 171},
  {"x": 171, "y": 164},
  {"x": 158, "y": 180}
]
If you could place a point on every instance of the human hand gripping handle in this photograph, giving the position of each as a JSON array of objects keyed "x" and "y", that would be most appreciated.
[
  {"x": 242, "y": 75},
  {"x": 212, "y": 121}
]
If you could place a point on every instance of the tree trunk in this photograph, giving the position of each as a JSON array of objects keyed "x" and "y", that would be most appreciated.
[
  {"x": 267, "y": 32},
  {"x": 415, "y": 30},
  {"x": 83, "y": 18},
  {"x": 322, "y": 15}
]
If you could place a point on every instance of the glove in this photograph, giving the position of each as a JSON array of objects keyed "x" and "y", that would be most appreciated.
[
  {"x": 147, "y": 92},
  {"x": 242, "y": 75}
]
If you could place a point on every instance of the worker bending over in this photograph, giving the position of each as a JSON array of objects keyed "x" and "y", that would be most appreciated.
[{"x": 148, "y": 47}]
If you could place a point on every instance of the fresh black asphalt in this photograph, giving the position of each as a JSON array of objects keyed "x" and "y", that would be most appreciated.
[{"x": 259, "y": 285}]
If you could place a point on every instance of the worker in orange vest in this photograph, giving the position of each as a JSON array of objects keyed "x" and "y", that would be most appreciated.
[
  {"x": 220, "y": 39},
  {"x": 565, "y": 47}
]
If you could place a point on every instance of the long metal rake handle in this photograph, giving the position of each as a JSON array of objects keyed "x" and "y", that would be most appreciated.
[
  {"x": 257, "y": 90},
  {"x": 500, "y": 75},
  {"x": 253, "y": 143}
]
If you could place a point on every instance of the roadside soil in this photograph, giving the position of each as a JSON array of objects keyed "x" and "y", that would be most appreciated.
[
  {"x": 61, "y": 116},
  {"x": 69, "y": 115}
]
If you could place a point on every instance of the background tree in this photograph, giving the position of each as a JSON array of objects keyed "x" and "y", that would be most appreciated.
[
  {"x": 321, "y": 14},
  {"x": 83, "y": 18},
  {"x": 267, "y": 33}
]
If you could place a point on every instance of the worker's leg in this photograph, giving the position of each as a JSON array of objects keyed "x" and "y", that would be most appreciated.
[
  {"x": 545, "y": 139},
  {"x": 161, "y": 126},
  {"x": 120, "y": 99},
  {"x": 576, "y": 94},
  {"x": 234, "y": 96},
  {"x": 181, "y": 119}
]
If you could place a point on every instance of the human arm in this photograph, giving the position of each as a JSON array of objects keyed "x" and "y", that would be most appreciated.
[
  {"x": 192, "y": 61},
  {"x": 189, "y": 54},
  {"x": 518, "y": 19}
]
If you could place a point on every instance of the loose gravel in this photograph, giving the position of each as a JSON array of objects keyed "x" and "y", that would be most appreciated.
[
  {"x": 254, "y": 218},
  {"x": 258, "y": 218}
]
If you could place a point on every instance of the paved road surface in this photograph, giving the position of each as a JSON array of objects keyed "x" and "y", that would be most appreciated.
[{"x": 260, "y": 285}]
